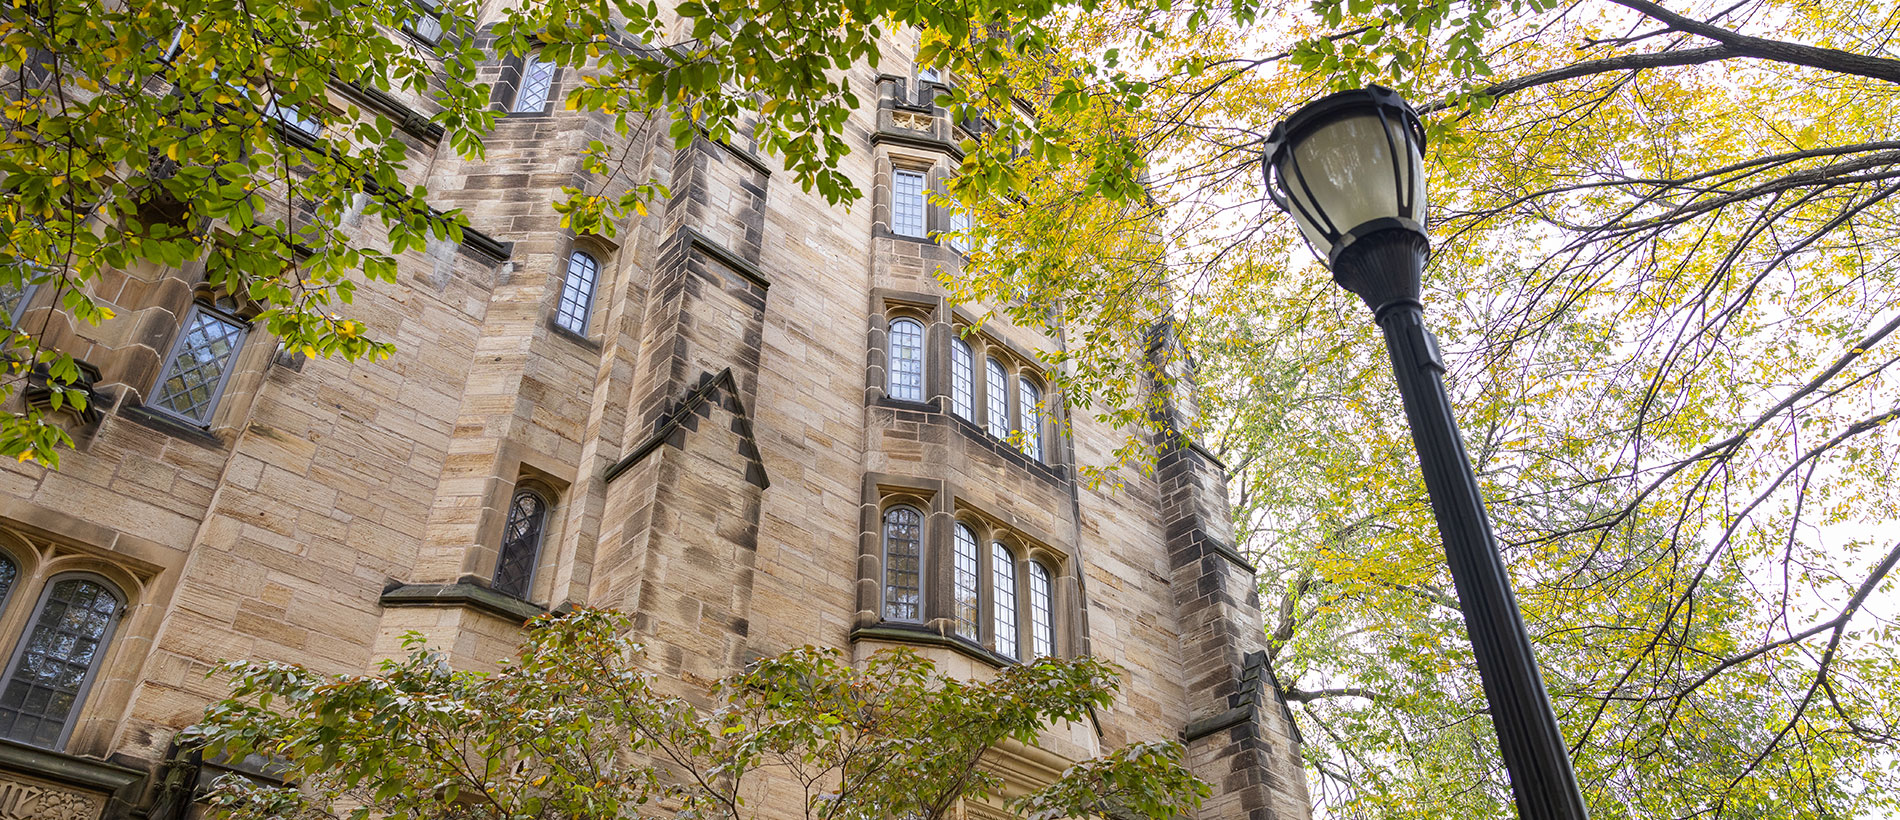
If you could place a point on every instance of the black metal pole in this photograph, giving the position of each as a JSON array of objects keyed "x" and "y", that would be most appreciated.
[{"x": 1384, "y": 269}]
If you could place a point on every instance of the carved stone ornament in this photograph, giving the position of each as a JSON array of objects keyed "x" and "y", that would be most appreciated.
[
  {"x": 912, "y": 120},
  {"x": 25, "y": 798}
]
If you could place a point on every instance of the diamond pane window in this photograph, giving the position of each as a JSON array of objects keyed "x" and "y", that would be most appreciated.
[
  {"x": 1042, "y": 623},
  {"x": 291, "y": 116},
  {"x": 907, "y": 203},
  {"x": 520, "y": 544},
  {"x": 962, "y": 379},
  {"x": 998, "y": 385},
  {"x": 1031, "y": 400},
  {"x": 537, "y": 82},
  {"x": 199, "y": 365},
  {"x": 903, "y": 562},
  {"x": 577, "y": 292},
  {"x": 56, "y": 661},
  {"x": 1003, "y": 565},
  {"x": 907, "y": 360},
  {"x": 964, "y": 584}
]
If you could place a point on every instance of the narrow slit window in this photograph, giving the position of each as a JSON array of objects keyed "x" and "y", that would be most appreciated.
[
  {"x": 56, "y": 661},
  {"x": 521, "y": 540},
  {"x": 1042, "y": 623},
  {"x": 998, "y": 387},
  {"x": 962, "y": 379},
  {"x": 965, "y": 583},
  {"x": 1004, "y": 595},
  {"x": 199, "y": 365},
  {"x": 577, "y": 292},
  {"x": 537, "y": 83},
  {"x": 907, "y": 203},
  {"x": 903, "y": 564},
  {"x": 907, "y": 360},
  {"x": 1031, "y": 401}
]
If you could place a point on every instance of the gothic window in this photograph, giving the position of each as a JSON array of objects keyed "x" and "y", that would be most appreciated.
[
  {"x": 907, "y": 202},
  {"x": 577, "y": 292},
  {"x": 521, "y": 544},
  {"x": 962, "y": 379},
  {"x": 903, "y": 564},
  {"x": 1042, "y": 624},
  {"x": 200, "y": 363},
  {"x": 907, "y": 360},
  {"x": 964, "y": 583},
  {"x": 56, "y": 660},
  {"x": 998, "y": 386},
  {"x": 926, "y": 74},
  {"x": 537, "y": 84},
  {"x": 1030, "y": 402},
  {"x": 1003, "y": 598}
]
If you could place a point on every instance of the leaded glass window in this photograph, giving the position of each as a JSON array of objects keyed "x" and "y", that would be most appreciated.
[
  {"x": 294, "y": 117},
  {"x": 577, "y": 292},
  {"x": 962, "y": 379},
  {"x": 9, "y": 572},
  {"x": 199, "y": 365},
  {"x": 907, "y": 360},
  {"x": 964, "y": 583},
  {"x": 521, "y": 544},
  {"x": 1003, "y": 595},
  {"x": 1030, "y": 401},
  {"x": 998, "y": 388},
  {"x": 907, "y": 202},
  {"x": 56, "y": 661},
  {"x": 903, "y": 563},
  {"x": 959, "y": 224},
  {"x": 427, "y": 25},
  {"x": 13, "y": 300},
  {"x": 537, "y": 83},
  {"x": 1042, "y": 623}
]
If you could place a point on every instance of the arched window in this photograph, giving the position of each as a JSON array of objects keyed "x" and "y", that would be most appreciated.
[
  {"x": 56, "y": 660},
  {"x": 1042, "y": 607},
  {"x": 998, "y": 388},
  {"x": 521, "y": 544},
  {"x": 537, "y": 83},
  {"x": 1031, "y": 401},
  {"x": 907, "y": 360},
  {"x": 903, "y": 563},
  {"x": 577, "y": 292},
  {"x": 962, "y": 379},
  {"x": 200, "y": 363},
  {"x": 1003, "y": 570},
  {"x": 964, "y": 584}
]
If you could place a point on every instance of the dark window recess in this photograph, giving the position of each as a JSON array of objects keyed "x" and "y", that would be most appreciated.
[{"x": 520, "y": 544}]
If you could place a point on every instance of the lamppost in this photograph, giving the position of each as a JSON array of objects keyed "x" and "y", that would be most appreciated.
[{"x": 1349, "y": 168}]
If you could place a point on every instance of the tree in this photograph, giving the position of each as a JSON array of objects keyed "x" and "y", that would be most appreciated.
[
  {"x": 573, "y": 728},
  {"x": 239, "y": 133},
  {"x": 1664, "y": 282}
]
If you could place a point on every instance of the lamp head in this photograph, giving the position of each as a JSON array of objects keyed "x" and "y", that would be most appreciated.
[{"x": 1348, "y": 166}]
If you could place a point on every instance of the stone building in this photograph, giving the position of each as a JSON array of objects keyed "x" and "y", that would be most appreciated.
[{"x": 752, "y": 420}]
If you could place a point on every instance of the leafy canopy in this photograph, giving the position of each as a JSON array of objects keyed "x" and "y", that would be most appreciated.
[{"x": 574, "y": 728}]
